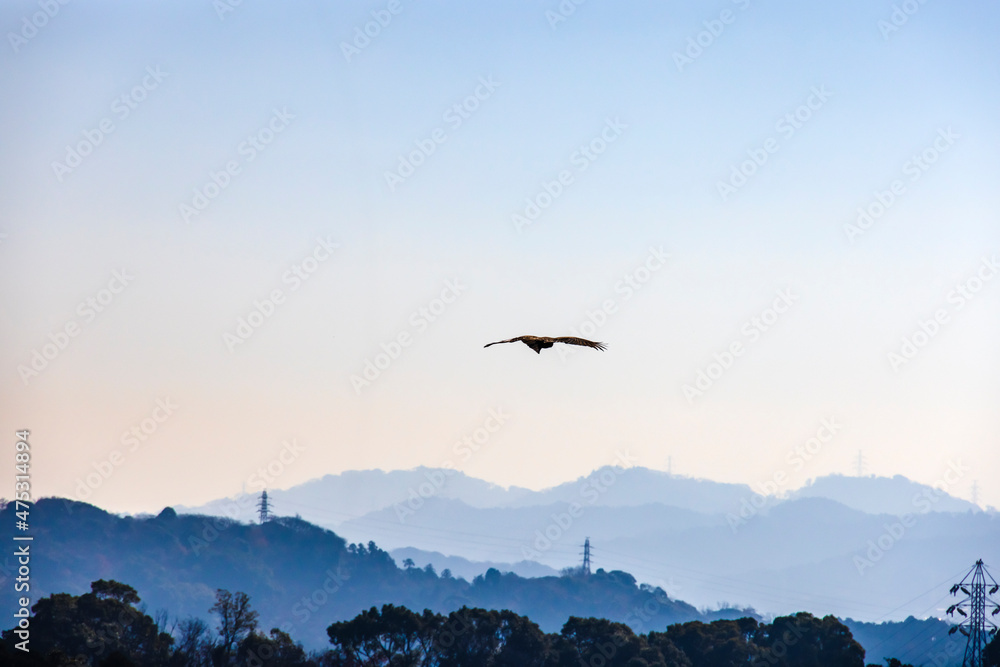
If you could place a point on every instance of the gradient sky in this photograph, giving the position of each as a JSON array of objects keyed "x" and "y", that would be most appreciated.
[{"x": 557, "y": 86}]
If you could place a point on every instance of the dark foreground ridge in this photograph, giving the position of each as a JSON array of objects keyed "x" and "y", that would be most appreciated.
[
  {"x": 300, "y": 576},
  {"x": 311, "y": 587}
]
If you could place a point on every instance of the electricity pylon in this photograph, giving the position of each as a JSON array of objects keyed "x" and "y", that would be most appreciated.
[
  {"x": 975, "y": 624},
  {"x": 586, "y": 557},
  {"x": 264, "y": 507}
]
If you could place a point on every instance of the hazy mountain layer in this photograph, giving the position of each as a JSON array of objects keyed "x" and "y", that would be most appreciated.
[{"x": 335, "y": 499}]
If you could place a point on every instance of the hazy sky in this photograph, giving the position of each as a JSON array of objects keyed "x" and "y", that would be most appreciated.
[{"x": 687, "y": 177}]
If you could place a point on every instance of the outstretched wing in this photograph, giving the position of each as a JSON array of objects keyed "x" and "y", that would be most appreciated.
[
  {"x": 509, "y": 340},
  {"x": 571, "y": 340},
  {"x": 537, "y": 343}
]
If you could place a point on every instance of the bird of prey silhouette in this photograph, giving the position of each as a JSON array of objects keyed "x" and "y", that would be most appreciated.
[{"x": 539, "y": 343}]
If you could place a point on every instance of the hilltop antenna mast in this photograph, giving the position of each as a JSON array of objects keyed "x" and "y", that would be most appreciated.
[
  {"x": 264, "y": 507},
  {"x": 859, "y": 465},
  {"x": 586, "y": 557},
  {"x": 975, "y": 624},
  {"x": 975, "y": 492}
]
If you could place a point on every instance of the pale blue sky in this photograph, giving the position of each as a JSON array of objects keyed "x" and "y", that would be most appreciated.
[{"x": 655, "y": 185}]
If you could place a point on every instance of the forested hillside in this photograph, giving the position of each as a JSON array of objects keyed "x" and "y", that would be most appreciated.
[{"x": 301, "y": 577}]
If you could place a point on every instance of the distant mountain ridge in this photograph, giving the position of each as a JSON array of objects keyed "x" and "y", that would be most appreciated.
[
  {"x": 886, "y": 495},
  {"x": 838, "y": 545},
  {"x": 333, "y": 500}
]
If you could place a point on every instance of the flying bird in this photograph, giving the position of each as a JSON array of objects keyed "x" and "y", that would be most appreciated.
[{"x": 539, "y": 343}]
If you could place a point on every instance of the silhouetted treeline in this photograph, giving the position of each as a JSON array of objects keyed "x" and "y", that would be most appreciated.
[
  {"x": 107, "y": 628},
  {"x": 467, "y": 637}
]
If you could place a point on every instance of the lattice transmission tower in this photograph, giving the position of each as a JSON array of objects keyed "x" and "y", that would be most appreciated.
[
  {"x": 264, "y": 507},
  {"x": 975, "y": 623},
  {"x": 586, "y": 557}
]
